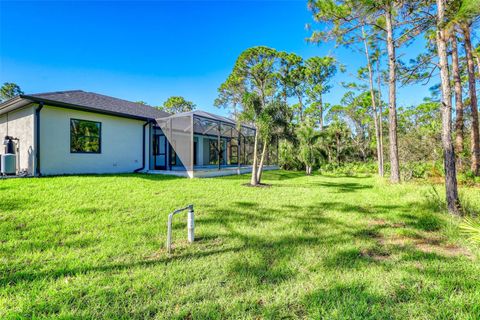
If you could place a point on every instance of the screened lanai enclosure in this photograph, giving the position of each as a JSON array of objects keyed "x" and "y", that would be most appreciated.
[{"x": 200, "y": 142}]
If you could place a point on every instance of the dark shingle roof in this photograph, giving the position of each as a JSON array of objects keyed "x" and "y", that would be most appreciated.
[{"x": 98, "y": 102}]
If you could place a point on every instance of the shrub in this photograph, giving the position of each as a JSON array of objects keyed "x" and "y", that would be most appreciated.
[
  {"x": 349, "y": 168},
  {"x": 471, "y": 228},
  {"x": 468, "y": 178},
  {"x": 287, "y": 156},
  {"x": 421, "y": 170}
]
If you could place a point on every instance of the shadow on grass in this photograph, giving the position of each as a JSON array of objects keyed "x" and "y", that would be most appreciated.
[
  {"x": 16, "y": 277},
  {"x": 272, "y": 252},
  {"x": 351, "y": 301},
  {"x": 275, "y": 175},
  {"x": 425, "y": 221},
  {"x": 267, "y": 255},
  {"x": 15, "y": 204},
  {"x": 280, "y": 175},
  {"x": 343, "y": 187}
]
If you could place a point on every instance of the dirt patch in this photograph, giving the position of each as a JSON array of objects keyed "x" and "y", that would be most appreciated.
[
  {"x": 449, "y": 249},
  {"x": 375, "y": 254},
  {"x": 377, "y": 222},
  {"x": 385, "y": 224},
  {"x": 397, "y": 225},
  {"x": 429, "y": 243}
]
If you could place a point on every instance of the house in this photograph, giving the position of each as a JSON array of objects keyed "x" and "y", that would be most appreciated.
[{"x": 78, "y": 132}]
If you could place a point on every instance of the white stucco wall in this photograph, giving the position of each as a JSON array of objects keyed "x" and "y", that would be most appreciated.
[
  {"x": 121, "y": 144},
  {"x": 20, "y": 124}
]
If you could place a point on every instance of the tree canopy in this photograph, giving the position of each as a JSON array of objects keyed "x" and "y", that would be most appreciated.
[
  {"x": 177, "y": 104},
  {"x": 9, "y": 90}
]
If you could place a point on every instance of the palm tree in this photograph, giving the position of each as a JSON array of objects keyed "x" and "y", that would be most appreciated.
[{"x": 308, "y": 137}]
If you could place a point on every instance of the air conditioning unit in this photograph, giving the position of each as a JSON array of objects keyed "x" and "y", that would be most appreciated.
[{"x": 8, "y": 164}]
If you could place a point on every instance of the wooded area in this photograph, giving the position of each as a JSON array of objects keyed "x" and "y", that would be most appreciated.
[{"x": 283, "y": 94}]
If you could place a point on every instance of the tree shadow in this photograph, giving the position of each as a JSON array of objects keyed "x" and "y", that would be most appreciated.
[
  {"x": 281, "y": 175},
  {"x": 274, "y": 175},
  {"x": 15, "y": 203},
  {"x": 13, "y": 277},
  {"x": 351, "y": 301},
  {"x": 425, "y": 221},
  {"x": 343, "y": 187},
  {"x": 265, "y": 242}
]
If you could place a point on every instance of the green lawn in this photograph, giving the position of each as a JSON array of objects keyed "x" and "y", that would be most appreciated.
[{"x": 306, "y": 247}]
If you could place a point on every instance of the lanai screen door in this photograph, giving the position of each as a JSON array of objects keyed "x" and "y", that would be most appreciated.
[{"x": 178, "y": 130}]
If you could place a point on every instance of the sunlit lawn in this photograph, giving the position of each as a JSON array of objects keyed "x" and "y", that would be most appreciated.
[{"x": 306, "y": 247}]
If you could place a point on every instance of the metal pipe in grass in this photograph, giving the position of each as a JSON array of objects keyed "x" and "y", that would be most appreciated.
[{"x": 190, "y": 225}]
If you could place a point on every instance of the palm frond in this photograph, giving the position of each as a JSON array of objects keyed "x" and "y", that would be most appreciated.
[{"x": 471, "y": 228}]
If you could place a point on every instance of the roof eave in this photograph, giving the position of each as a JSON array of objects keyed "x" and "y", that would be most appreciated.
[
  {"x": 14, "y": 103},
  {"x": 83, "y": 108}
]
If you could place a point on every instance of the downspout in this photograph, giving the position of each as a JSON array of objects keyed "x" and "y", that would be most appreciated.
[
  {"x": 37, "y": 140},
  {"x": 143, "y": 148}
]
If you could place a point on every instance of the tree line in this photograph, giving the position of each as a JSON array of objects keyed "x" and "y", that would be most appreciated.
[
  {"x": 283, "y": 94},
  {"x": 277, "y": 92}
]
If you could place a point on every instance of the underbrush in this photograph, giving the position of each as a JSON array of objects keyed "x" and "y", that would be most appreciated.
[{"x": 430, "y": 172}]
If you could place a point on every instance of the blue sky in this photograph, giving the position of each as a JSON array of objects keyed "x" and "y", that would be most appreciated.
[{"x": 152, "y": 50}]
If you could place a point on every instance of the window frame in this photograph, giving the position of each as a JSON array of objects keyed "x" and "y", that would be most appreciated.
[{"x": 99, "y": 137}]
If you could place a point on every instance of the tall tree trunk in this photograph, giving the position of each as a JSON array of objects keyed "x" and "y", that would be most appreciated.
[
  {"x": 300, "y": 107},
  {"x": 320, "y": 111},
  {"x": 476, "y": 55},
  {"x": 374, "y": 106},
  {"x": 453, "y": 203},
  {"x": 337, "y": 136},
  {"x": 262, "y": 159},
  {"x": 478, "y": 61},
  {"x": 392, "y": 114},
  {"x": 254, "y": 180},
  {"x": 458, "y": 99},
  {"x": 380, "y": 114},
  {"x": 308, "y": 170},
  {"x": 473, "y": 99}
]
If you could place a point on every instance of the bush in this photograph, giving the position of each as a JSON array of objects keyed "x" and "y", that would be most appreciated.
[
  {"x": 349, "y": 168},
  {"x": 467, "y": 178},
  {"x": 421, "y": 170},
  {"x": 287, "y": 157}
]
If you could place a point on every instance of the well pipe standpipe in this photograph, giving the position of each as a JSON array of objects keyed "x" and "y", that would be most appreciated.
[{"x": 190, "y": 225}]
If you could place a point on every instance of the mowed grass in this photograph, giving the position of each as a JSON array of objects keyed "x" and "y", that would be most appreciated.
[{"x": 306, "y": 247}]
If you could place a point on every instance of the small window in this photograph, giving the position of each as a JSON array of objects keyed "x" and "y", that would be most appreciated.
[{"x": 85, "y": 136}]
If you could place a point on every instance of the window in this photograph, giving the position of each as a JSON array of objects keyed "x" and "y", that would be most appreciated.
[
  {"x": 213, "y": 152},
  {"x": 159, "y": 145},
  {"x": 233, "y": 154},
  {"x": 195, "y": 143},
  {"x": 85, "y": 136},
  {"x": 173, "y": 157}
]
